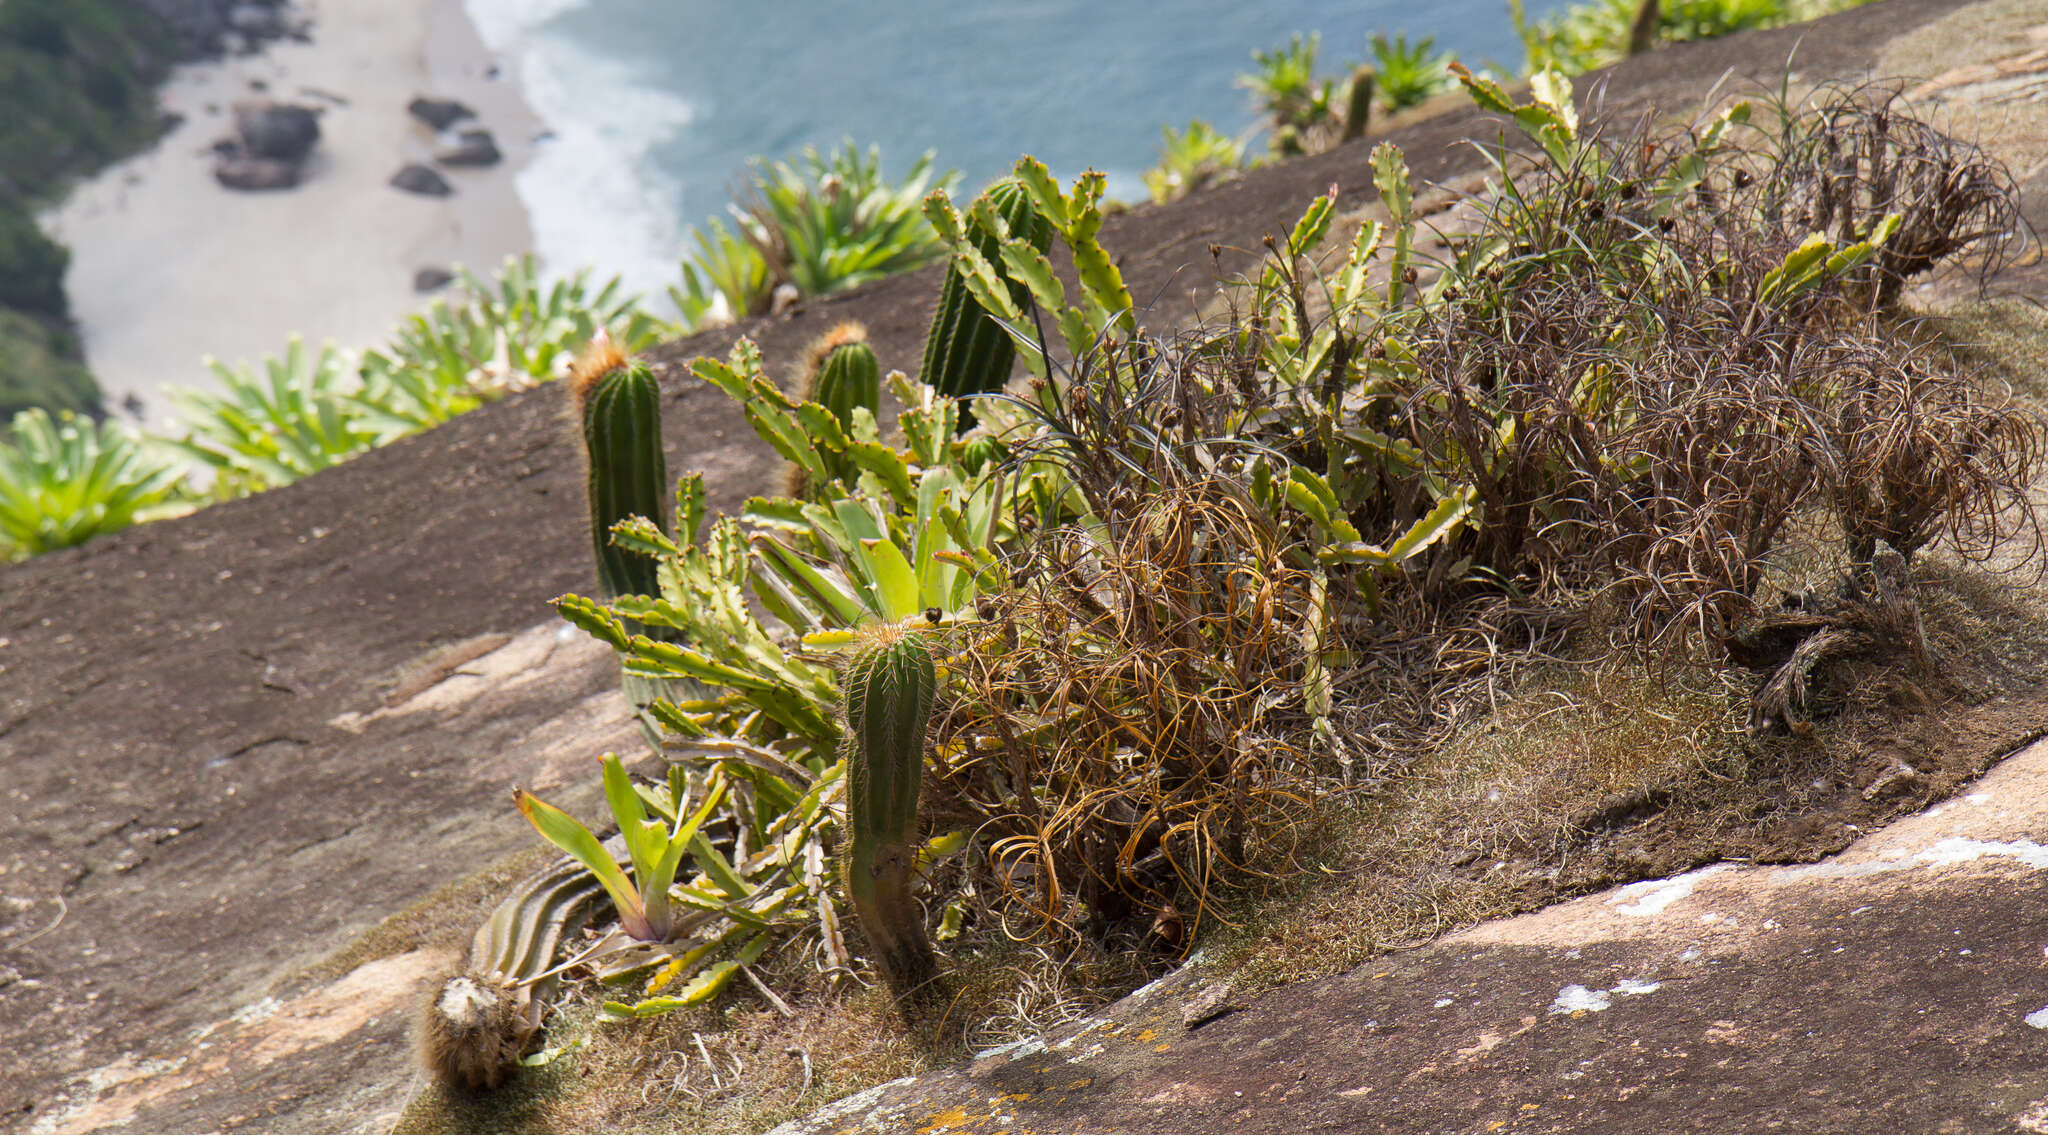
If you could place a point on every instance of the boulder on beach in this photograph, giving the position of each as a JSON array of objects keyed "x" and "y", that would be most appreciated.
[
  {"x": 431, "y": 280},
  {"x": 275, "y": 130},
  {"x": 438, "y": 113},
  {"x": 244, "y": 172},
  {"x": 472, "y": 148},
  {"x": 417, "y": 178}
]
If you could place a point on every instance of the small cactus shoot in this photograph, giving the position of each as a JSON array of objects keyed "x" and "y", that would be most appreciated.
[
  {"x": 890, "y": 688},
  {"x": 843, "y": 373},
  {"x": 967, "y": 351}
]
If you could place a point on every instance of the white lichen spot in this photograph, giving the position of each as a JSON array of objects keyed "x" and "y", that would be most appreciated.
[
  {"x": 2038, "y": 1018},
  {"x": 257, "y": 1011},
  {"x": 1579, "y": 999},
  {"x": 1441, "y": 1002},
  {"x": 1653, "y": 895},
  {"x": 1957, "y": 849}
]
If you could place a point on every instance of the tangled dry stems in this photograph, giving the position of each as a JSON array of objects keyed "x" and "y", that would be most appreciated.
[{"x": 1133, "y": 717}]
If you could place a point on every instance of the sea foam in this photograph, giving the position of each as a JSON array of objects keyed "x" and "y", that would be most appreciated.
[{"x": 593, "y": 195}]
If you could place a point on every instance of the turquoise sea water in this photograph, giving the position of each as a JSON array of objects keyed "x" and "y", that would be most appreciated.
[{"x": 655, "y": 105}]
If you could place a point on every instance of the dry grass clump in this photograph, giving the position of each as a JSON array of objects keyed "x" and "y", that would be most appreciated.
[
  {"x": 1645, "y": 398},
  {"x": 1859, "y": 155},
  {"x": 1134, "y": 717}
]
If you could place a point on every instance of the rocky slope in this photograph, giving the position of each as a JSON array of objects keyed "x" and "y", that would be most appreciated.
[{"x": 237, "y": 744}]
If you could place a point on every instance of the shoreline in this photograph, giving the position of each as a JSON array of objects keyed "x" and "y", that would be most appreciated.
[{"x": 168, "y": 267}]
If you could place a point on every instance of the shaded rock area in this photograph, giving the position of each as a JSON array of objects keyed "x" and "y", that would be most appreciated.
[
  {"x": 236, "y": 744},
  {"x": 472, "y": 147},
  {"x": 438, "y": 114},
  {"x": 1900, "y": 986},
  {"x": 421, "y": 179}
]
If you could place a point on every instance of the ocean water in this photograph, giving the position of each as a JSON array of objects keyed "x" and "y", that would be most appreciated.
[{"x": 654, "y": 106}]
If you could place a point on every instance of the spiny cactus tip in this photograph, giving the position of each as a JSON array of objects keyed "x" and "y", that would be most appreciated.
[
  {"x": 599, "y": 358},
  {"x": 849, "y": 331}
]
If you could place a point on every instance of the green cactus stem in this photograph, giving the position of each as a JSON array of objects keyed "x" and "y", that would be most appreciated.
[
  {"x": 619, "y": 407},
  {"x": 967, "y": 351},
  {"x": 1358, "y": 107},
  {"x": 890, "y": 686}
]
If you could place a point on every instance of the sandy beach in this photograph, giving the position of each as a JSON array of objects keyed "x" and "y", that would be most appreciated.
[{"x": 168, "y": 267}]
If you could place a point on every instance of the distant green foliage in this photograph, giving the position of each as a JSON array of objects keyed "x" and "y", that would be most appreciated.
[
  {"x": 820, "y": 223},
  {"x": 1408, "y": 75},
  {"x": 31, "y": 265},
  {"x": 1594, "y": 34},
  {"x": 1299, "y": 107},
  {"x": 39, "y": 367},
  {"x": 1307, "y": 114},
  {"x": 1192, "y": 159},
  {"x": 78, "y": 80},
  {"x": 64, "y": 481},
  {"x": 499, "y": 335}
]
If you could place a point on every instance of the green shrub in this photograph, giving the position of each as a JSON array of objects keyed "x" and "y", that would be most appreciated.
[
  {"x": 66, "y": 480},
  {"x": 32, "y": 265},
  {"x": 79, "y": 79},
  {"x": 496, "y": 336},
  {"x": 1191, "y": 160},
  {"x": 819, "y": 223},
  {"x": 39, "y": 366},
  {"x": 1590, "y": 35},
  {"x": 1408, "y": 75},
  {"x": 270, "y": 427}
]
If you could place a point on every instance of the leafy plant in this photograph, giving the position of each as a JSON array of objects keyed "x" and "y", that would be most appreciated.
[
  {"x": 508, "y": 333},
  {"x": 1190, "y": 160},
  {"x": 655, "y": 847},
  {"x": 768, "y": 720},
  {"x": 1296, "y": 105},
  {"x": 66, "y": 480},
  {"x": 819, "y": 223},
  {"x": 1105, "y": 307},
  {"x": 1591, "y": 35},
  {"x": 967, "y": 351},
  {"x": 269, "y": 428},
  {"x": 1408, "y": 75}
]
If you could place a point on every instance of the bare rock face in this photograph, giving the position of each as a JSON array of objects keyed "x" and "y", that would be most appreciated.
[{"x": 423, "y": 180}]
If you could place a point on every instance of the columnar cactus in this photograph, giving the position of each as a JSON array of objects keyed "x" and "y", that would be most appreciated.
[
  {"x": 967, "y": 352},
  {"x": 890, "y": 686},
  {"x": 619, "y": 406}
]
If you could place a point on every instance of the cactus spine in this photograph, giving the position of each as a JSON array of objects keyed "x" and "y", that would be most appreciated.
[
  {"x": 620, "y": 410},
  {"x": 967, "y": 351},
  {"x": 890, "y": 686}
]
